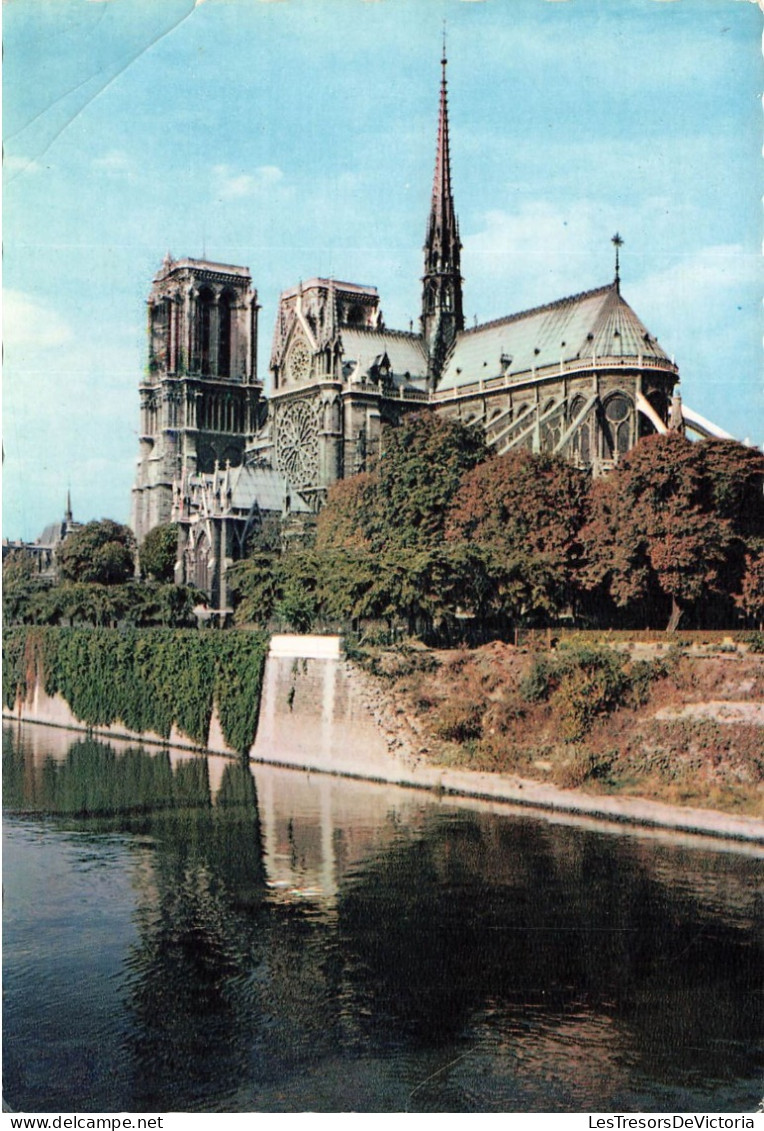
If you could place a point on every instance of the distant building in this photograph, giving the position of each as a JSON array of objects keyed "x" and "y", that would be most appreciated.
[{"x": 43, "y": 549}]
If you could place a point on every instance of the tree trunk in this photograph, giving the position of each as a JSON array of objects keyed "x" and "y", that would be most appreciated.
[{"x": 676, "y": 615}]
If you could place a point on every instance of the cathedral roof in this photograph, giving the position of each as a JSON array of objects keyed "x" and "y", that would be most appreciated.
[
  {"x": 51, "y": 535},
  {"x": 232, "y": 492},
  {"x": 596, "y": 323},
  {"x": 170, "y": 265},
  {"x": 319, "y": 283},
  {"x": 247, "y": 484},
  {"x": 406, "y": 352}
]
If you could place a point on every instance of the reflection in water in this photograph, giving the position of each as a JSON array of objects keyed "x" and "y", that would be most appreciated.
[{"x": 191, "y": 933}]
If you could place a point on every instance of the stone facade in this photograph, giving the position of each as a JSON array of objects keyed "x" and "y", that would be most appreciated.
[
  {"x": 581, "y": 377},
  {"x": 338, "y": 376},
  {"x": 220, "y": 515},
  {"x": 200, "y": 397}
]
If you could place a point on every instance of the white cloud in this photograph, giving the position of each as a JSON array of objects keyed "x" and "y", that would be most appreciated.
[
  {"x": 14, "y": 165},
  {"x": 703, "y": 274},
  {"x": 29, "y": 324},
  {"x": 537, "y": 254},
  {"x": 543, "y": 250},
  {"x": 115, "y": 163},
  {"x": 704, "y": 308},
  {"x": 708, "y": 302},
  {"x": 229, "y": 185}
]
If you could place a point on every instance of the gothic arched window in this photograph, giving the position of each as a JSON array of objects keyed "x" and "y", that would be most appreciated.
[
  {"x": 617, "y": 429},
  {"x": 225, "y": 335},
  {"x": 201, "y": 577},
  {"x": 160, "y": 332},
  {"x": 204, "y": 327},
  {"x": 581, "y": 442}
]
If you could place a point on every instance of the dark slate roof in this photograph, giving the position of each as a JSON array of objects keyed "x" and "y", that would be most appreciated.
[
  {"x": 598, "y": 322},
  {"x": 405, "y": 351},
  {"x": 247, "y": 484},
  {"x": 51, "y": 535},
  {"x": 266, "y": 485}
]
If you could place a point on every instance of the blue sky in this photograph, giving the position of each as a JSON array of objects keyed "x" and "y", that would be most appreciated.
[{"x": 297, "y": 137}]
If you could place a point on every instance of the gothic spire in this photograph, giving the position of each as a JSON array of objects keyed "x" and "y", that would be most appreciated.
[
  {"x": 442, "y": 314},
  {"x": 442, "y": 215}
]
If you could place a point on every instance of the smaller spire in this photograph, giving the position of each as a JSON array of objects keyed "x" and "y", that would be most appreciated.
[
  {"x": 676, "y": 416},
  {"x": 68, "y": 512},
  {"x": 617, "y": 242}
]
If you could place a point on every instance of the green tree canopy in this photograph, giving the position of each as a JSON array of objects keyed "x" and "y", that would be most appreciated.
[
  {"x": 158, "y": 552},
  {"x": 90, "y": 603},
  {"x": 19, "y": 566},
  {"x": 101, "y": 552},
  {"x": 420, "y": 470},
  {"x": 403, "y": 501}
]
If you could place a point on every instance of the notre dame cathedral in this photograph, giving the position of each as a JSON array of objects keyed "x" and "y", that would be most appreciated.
[{"x": 581, "y": 376}]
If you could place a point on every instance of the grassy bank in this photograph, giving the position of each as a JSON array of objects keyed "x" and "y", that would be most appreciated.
[
  {"x": 662, "y": 722},
  {"x": 146, "y": 679}
]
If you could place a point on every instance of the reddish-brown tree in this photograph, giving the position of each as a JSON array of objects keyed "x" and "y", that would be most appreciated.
[
  {"x": 751, "y": 596},
  {"x": 344, "y": 521},
  {"x": 525, "y": 507},
  {"x": 672, "y": 519}
]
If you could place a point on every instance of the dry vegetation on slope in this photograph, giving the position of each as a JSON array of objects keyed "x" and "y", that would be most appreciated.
[{"x": 681, "y": 726}]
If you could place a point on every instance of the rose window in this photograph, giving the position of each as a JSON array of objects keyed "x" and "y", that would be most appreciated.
[
  {"x": 299, "y": 362},
  {"x": 297, "y": 444}
]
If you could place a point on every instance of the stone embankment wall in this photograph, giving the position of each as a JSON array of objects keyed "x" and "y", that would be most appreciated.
[
  {"x": 53, "y": 710},
  {"x": 313, "y": 714},
  {"x": 319, "y": 713}
]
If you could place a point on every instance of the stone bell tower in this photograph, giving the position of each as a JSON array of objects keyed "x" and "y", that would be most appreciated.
[{"x": 200, "y": 397}]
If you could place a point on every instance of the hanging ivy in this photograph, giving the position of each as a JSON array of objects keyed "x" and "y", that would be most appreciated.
[
  {"x": 147, "y": 679},
  {"x": 14, "y": 673}
]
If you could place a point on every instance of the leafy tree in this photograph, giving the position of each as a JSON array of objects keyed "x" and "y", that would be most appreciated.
[
  {"x": 403, "y": 501},
  {"x": 526, "y": 509},
  {"x": 19, "y": 566},
  {"x": 751, "y": 596},
  {"x": 297, "y": 607},
  {"x": 419, "y": 471},
  {"x": 158, "y": 552},
  {"x": 299, "y": 578},
  {"x": 736, "y": 477},
  {"x": 174, "y": 605},
  {"x": 345, "y": 520},
  {"x": 100, "y": 552},
  {"x": 657, "y": 528},
  {"x": 347, "y": 579},
  {"x": 255, "y": 587},
  {"x": 89, "y": 603},
  {"x": 23, "y": 588}
]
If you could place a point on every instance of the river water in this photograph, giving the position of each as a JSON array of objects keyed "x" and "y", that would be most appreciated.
[{"x": 194, "y": 934}]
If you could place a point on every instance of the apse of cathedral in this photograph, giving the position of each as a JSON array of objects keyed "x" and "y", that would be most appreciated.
[{"x": 581, "y": 377}]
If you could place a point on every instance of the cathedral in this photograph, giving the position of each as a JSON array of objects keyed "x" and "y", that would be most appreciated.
[{"x": 581, "y": 377}]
